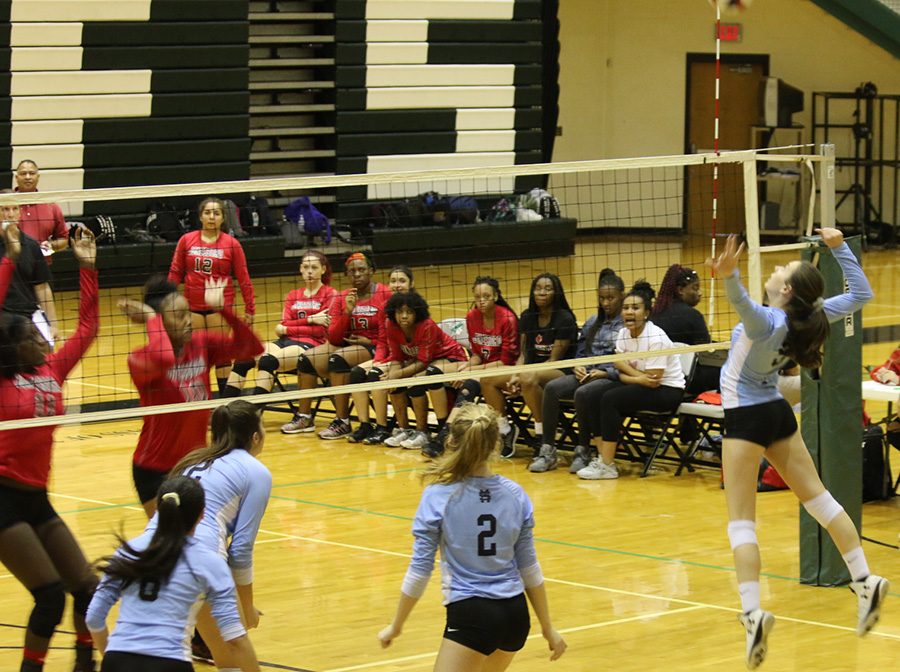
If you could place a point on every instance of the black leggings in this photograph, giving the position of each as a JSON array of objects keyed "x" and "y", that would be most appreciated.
[
  {"x": 117, "y": 661},
  {"x": 622, "y": 400}
]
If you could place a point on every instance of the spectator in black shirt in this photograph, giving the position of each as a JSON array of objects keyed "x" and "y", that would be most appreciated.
[
  {"x": 547, "y": 332},
  {"x": 29, "y": 291},
  {"x": 674, "y": 311}
]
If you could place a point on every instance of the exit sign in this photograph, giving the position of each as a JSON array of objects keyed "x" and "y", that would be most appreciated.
[{"x": 730, "y": 32}]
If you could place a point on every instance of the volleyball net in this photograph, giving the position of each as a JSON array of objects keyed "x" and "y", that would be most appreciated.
[{"x": 637, "y": 216}]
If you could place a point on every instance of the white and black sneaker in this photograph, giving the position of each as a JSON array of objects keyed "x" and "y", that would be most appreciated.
[
  {"x": 870, "y": 592},
  {"x": 758, "y": 624},
  {"x": 508, "y": 442}
]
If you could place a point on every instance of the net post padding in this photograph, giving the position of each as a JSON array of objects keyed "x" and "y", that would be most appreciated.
[{"x": 832, "y": 429}]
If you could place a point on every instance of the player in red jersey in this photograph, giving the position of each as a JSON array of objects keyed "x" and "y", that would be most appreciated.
[
  {"x": 419, "y": 347},
  {"x": 493, "y": 330},
  {"x": 36, "y": 546},
  {"x": 400, "y": 281},
  {"x": 174, "y": 367},
  {"x": 304, "y": 325},
  {"x": 357, "y": 315},
  {"x": 212, "y": 253}
]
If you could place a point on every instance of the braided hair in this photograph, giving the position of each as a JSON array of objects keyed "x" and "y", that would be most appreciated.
[{"x": 676, "y": 277}]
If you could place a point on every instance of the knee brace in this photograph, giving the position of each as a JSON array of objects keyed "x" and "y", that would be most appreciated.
[
  {"x": 433, "y": 371},
  {"x": 49, "y": 604},
  {"x": 742, "y": 532},
  {"x": 337, "y": 364},
  {"x": 416, "y": 391},
  {"x": 305, "y": 366},
  {"x": 824, "y": 508},
  {"x": 242, "y": 368},
  {"x": 374, "y": 375},
  {"x": 268, "y": 363},
  {"x": 358, "y": 375}
]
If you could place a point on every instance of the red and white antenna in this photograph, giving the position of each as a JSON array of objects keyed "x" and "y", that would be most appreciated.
[{"x": 715, "y": 180}]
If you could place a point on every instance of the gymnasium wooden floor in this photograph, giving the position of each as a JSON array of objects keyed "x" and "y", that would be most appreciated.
[{"x": 638, "y": 571}]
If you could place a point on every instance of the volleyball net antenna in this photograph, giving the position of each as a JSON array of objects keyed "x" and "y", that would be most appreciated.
[{"x": 637, "y": 216}]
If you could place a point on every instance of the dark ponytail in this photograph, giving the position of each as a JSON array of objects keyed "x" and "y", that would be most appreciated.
[
  {"x": 494, "y": 284},
  {"x": 13, "y": 330},
  {"x": 179, "y": 504},
  {"x": 231, "y": 426},
  {"x": 807, "y": 323},
  {"x": 677, "y": 277}
]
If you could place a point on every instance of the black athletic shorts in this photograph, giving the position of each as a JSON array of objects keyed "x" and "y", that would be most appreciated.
[
  {"x": 762, "y": 424},
  {"x": 285, "y": 342},
  {"x": 204, "y": 312},
  {"x": 147, "y": 482},
  {"x": 485, "y": 625},
  {"x": 24, "y": 506},
  {"x": 118, "y": 661}
]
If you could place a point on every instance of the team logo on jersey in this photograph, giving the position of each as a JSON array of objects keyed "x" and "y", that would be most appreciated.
[
  {"x": 363, "y": 311},
  {"x": 211, "y": 252},
  {"x": 484, "y": 496},
  {"x": 489, "y": 340},
  {"x": 186, "y": 371},
  {"x": 410, "y": 350},
  {"x": 307, "y": 305}
]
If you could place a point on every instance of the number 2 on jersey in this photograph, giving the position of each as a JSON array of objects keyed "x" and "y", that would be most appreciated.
[{"x": 488, "y": 523}]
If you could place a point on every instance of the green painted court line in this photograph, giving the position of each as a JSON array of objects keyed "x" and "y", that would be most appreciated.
[
  {"x": 344, "y": 478},
  {"x": 555, "y": 542}
]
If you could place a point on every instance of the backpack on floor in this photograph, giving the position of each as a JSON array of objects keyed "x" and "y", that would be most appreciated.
[
  {"x": 232, "y": 223},
  {"x": 308, "y": 219},
  {"x": 164, "y": 221},
  {"x": 255, "y": 217}
]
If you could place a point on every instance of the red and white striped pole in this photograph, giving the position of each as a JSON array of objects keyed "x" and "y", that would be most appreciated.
[{"x": 715, "y": 180}]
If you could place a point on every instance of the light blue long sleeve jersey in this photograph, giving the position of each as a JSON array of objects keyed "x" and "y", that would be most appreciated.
[
  {"x": 484, "y": 528},
  {"x": 157, "y": 619},
  {"x": 237, "y": 488},
  {"x": 750, "y": 375}
]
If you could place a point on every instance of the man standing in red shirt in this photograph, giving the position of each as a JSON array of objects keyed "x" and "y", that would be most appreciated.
[{"x": 42, "y": 221}]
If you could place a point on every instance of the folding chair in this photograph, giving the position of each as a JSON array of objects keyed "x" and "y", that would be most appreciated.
[
  {"x": 709, "y": 419},
  {"x": 649, "y": 435}
]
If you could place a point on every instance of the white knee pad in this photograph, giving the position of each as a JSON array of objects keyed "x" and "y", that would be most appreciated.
[
  {"x": 742, "y": 532},
  {"x": 824, "y": 508}
]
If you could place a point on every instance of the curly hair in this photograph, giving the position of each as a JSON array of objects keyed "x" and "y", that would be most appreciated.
[{"x": 412, "y": 300}]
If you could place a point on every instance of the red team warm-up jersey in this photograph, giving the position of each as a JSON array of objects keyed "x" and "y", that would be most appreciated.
[
  {"x": 163, "y": 378},
  {"x": 298, "y": 307},
  {"x": 25, "y": 453},
  {"x": 428, "y": 343},
  {"x": 366, "y": 319},
  {"x": 501, "y": 342},
  {"x": 196, "y": 260}
]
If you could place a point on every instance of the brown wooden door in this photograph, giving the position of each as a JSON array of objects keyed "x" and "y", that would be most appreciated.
[{"x": 739, "y": 111}]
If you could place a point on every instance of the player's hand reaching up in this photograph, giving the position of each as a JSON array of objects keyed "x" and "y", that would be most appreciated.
[
  {"x": 728, "y": 260},
  {"x": 215, "y": 293},
  {"x": 84, "y": 247},
  {"x": 831, "y": 237}
]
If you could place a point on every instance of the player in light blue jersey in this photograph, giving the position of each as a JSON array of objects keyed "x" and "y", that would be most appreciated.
[
  {"x": 483, "y": 524},
  {"x": 758, "y": 421},
  {"x": 159, "y": 577},
  {"x": 237, "y": 487}
]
